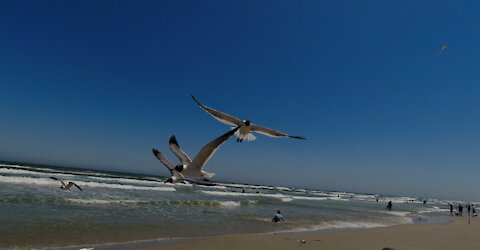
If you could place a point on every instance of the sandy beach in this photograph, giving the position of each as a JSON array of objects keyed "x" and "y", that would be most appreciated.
[{"x": 456, "y": 235}]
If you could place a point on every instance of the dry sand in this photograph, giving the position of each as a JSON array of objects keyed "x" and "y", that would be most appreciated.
[{"x": 456, "y": 235}]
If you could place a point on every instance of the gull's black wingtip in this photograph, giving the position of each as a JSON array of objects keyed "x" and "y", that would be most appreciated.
[
  {"x": 155, "y": 151},
  {"x": 173, "y": 140},
  {"x": 297, "y": 137},
  {"x": 195, "y": 99}
]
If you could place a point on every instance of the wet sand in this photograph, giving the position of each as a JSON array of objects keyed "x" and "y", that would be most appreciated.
[{"x": 455, "y": 235}]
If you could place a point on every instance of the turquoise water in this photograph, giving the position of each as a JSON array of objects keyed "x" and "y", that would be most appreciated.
[{"x": 113, "y": 207}]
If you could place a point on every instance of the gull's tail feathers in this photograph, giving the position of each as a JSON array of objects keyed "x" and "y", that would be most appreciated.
[{"x": 246, "y": 137}]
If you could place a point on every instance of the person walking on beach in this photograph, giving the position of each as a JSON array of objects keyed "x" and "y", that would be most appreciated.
[
  {"x": 468, "y": 209},
  {"x": 460, "y": 209},
  {"x": 278, "y": 217},
  {"x": 389, "y": 206},
  {"x": 474, "y": 213},
  {"x": 451, "y": 209}
]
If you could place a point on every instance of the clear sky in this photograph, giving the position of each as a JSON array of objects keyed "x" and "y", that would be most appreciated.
[{"x": 97, "y": 84}]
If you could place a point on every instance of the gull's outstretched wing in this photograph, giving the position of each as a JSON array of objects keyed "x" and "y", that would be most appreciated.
[
  {"x": 273, "y": 133},
  {"x": 163, "y": 159},
  {"x": 55, "y": 178},
  {"x": 77, "y": 186},
  {"x": 222, "y": 117},
  {"x": 175, "y": 175},
  {"x": 208, "y": 150},
  {"x": 175, "y": 148},
  {"x": 70, "y": 184}
]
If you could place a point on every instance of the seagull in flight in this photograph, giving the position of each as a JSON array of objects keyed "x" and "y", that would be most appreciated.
[
  {"x": 246, "y": 126},
  {"x": 175, "y": 176},
  {"x": 66, "y": 186},
  {"x": 187, "y": 167},
  {"x": 441, "y": 49}
]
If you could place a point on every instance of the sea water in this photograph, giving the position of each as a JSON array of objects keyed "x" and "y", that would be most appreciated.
[{"x": 116, "y": 207}]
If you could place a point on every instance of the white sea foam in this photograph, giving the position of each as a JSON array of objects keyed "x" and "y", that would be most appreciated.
[
  {"x": 29, "y": 172},
  {"x": 28, "y": 180},
  {"x": 396, "y": 213},
  {"x": 100, "y": 201},
  {"x": 282, "y": 197},
  {"x": 402, "y": 200},
  {"x": 199, "y": 203},
  {"x": 248, "y": 186},
  {"x": 283, "y": 188},
  {"x": 341, "y": 225},
  {"x": 230, "y": 204},
  {"x": 83, "y": 184},
  {"x": 364, "y": 197},
  {"x": 88, "y": 184},
  {"x": 125, "y": 180},
  {"x": 433, "y": 209},
  {"x": 213, "y": 187}
]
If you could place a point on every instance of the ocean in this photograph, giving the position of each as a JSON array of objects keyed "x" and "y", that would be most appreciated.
[{"x": 116, "y": 207}]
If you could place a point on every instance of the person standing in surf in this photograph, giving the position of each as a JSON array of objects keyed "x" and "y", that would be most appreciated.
[
  {"x": 278, "y": 217},
  {"x": 389, "y": 206}
]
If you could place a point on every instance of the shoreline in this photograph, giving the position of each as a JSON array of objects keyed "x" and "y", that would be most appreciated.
[
  {"x": 457, "y": 233},
  {"x": 210, "y": 242}
]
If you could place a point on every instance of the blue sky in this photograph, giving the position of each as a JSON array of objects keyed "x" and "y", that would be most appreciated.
[{"x": 97, "y": 84}]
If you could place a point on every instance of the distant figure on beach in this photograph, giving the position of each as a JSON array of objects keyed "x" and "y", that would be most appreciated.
[
  {"x": 468, "y": 209},
  {"x": 460, "y": 209},
  {"x": 389, "y": 206},
  {"x": 451, "y": 209},
  {"x": 377, "y": 199},
  {"x": 243, "y": 190},
  {"x": 474, "y": 213},
  {"x": 424, "y": 202},
  {"x": 278, "y": 217}
]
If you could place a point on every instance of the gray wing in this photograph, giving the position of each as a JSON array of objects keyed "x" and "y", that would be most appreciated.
[
  {"x": 77, "y": 186},
  {"x": 69, "y": 185},
  {"x": 55, "y": 178},
  {"x": 272, "y": 133},
  {"x": 222, "y": 117},
  {"x": 175, "y": 148},
  {"x": 208, "y": 150},
  {"x": 163, "y": 159},
  {"x": 178, "y": 176}
]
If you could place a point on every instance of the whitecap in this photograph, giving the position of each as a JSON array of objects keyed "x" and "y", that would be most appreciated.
[{"x": 229, "y": 204}]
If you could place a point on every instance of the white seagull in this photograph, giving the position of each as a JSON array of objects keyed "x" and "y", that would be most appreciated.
[
  {"x": 246, "y": 126},
  {"x": 187, "y": 167},
  {"x": 67, "y": 186},
  {"x": 175, "y": 176}
]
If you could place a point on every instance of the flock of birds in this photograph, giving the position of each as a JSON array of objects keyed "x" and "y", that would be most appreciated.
[
  {"x": 194, "y": 168},
  {"x": 188, "y": 168}
]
